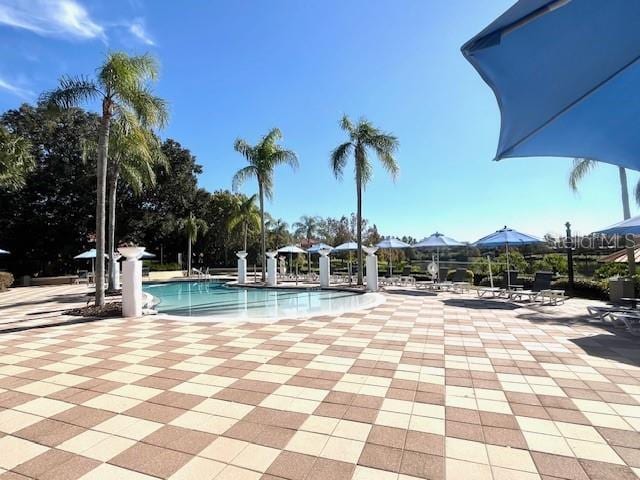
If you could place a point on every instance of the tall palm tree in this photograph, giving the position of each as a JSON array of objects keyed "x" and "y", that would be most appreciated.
[
  {"x": 363, "y": 136},
  {"x": 245, "y": 215},
  {"x": 581, "y": 167},
  {"x": 263, "y": 158},
  {"x": 279, "y": 229},
  {"x": 307, "y": 227},
  {"x": 16, "y": 160},
  {"x": 193, "y": 227},
  {"x": 134, "y": 154},
  {"x": 122, "y": 87}
]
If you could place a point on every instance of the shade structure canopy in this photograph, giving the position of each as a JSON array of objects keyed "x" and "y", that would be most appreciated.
[
  {"x": 437, "y": 240},
  {"x": 630, "y": 226},
  {"x": 561, "y": 91},
  {"x": 346, "y": 247},
  {"x": 507, "y": 236},
  {"x": 319, "y": 246},
  {"x": 392, "y": 243},
  {"x": 291, "y": 249},
  {"x": 4, "y": 252},
  {"x": 89, "y": 254}
]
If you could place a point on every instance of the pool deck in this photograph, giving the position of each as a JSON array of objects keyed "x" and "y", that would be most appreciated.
[{"x": 422, "y": 386}]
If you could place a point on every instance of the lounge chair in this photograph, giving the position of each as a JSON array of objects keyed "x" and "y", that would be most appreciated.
[
  {"x": 631, "y": 320},
  {"x": 541, "y": 283},
  {"x": 83, "y": 277},
  {"x": 601, "y": 313},
  {"x": 493, "y": 291}
]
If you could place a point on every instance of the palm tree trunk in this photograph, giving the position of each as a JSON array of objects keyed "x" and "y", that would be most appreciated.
[
  {"x": 189, "y": 255},
  {"x": 626, "y": 210},
  {"x": 263, "y": 237},
  {"x": 113, "y": 187},
  {"x": 101, "y": 174},
  {"x": 245, "y": 236},
  {"x": 359, "y": 220}
]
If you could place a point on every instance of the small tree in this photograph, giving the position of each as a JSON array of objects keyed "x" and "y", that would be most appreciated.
[{"x": 192, "y": 227}]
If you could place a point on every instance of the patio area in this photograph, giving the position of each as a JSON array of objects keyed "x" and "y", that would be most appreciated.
[{"x": 422, "y": 386}]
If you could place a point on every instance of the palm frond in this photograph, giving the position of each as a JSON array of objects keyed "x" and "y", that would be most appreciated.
[
  {"x": 242, "y": 176},
  {"x": 581, "y": 167},
  {"x": 272, "y": 136},
  {"x": 347, "y": 125},
  {"x": 281, "y": 156},
  {"x": 71, "y": 92},
  {"x": 150, "y": 110},
  {"x": 243, "y": 148},
  {"x": 339, "y": 157}
]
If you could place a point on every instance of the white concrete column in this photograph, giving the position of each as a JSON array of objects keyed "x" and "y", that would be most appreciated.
[
  {"x": 325, "y": 267},
  {"x": 272, "y": 279},
  {"x": 131, "y": 281},
  {"x": 116, "y": 275},
  {"x": 372, "y": 268},
  {"x": 242, "y": 266}
]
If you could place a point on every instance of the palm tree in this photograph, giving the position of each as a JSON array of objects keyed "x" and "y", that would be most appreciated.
[
  {"x": 192, "y": 227},
  {"x": 307, "y": 227},
  {"x": 362, "y": 137},
  {"x": 134, "y": 153},
  {"x": 245, "y": 215},
  {"x": 16, "y": 160},
  {"x": 581, "y": 167},
  {"x": 263, "y": 158},
  {"x": 121, "y": 86},
  {"x": 279, "y": 229}
]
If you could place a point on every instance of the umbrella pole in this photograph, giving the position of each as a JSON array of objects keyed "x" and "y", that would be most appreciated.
[
  {"x": 438, "y": 260},
  {"x": 390, "y": 265},
  {"x": 490, "y": 274},
  {"x": 508, "y": 274}
]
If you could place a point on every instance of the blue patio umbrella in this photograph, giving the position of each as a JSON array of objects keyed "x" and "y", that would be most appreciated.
[
  {"x": 392, "y": 243},
  {"x": 437, "y": 241},
  {"x": 89, "y": 255},
  {"x": 507, "y": 236},
  {"x": 630, "y": 226},
  {"x": 565, "y": 74}
]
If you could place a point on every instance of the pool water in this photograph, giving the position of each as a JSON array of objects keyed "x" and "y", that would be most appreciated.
[{"x": 211, "y": 299}]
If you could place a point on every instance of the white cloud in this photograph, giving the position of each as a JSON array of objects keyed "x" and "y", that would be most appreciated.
[
  {"x": 23, "y": 93},
  {"x": 139, "y": 31},
  {"x": 64, "y": 18}
]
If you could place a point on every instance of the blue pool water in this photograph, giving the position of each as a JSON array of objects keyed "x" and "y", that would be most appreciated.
[{"x": 210, "y": 299}]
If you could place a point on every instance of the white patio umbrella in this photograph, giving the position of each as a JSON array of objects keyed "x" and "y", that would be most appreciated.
[
  {"x": 347, "y": 247},
  {"x": 392, "y": 243},
  {"x": 291, "y": 249},
  {"x": 437, "y": 241},
  {"x": 316, "y": 249}
]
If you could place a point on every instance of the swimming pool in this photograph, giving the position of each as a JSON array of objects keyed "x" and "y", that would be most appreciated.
[{"x": 218, "y": 301}]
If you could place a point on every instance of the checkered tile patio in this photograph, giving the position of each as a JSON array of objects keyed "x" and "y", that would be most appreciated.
[{"x": 423, "y": 386}]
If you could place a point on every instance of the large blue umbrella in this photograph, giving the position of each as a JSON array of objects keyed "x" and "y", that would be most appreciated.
[
  {"x": 437, "y": 241},
  {"x": 507, "y": 236},
  {"x": 630, "y": 226},
  {"x": 565, "y": 74}
]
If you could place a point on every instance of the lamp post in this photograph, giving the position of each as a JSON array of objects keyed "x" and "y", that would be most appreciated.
[
  {"x": 131, "y": 281},
  {"x": 569, "y": 245}
]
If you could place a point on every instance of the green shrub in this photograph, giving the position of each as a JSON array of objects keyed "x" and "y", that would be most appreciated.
[
  {"x": 609, "y": 270},
  {"x": 553, "y": 262},
  {"x": 6, "y": 280},
  {"x": 584, "y": 288},
  {"x": 468, "y": 277},
  {"x": 162, "y": 267}
]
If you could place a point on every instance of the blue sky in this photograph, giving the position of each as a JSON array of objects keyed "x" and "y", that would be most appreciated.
[{"x": 237, "y": 69}]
